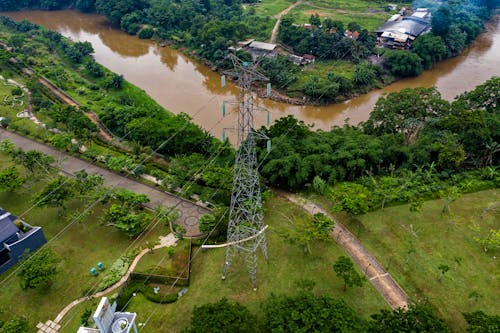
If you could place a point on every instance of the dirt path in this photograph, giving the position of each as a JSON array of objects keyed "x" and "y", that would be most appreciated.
[
  {"x": 66, "y": 99},
  {"x": 274, "y": 34},
  {"x": 166, "y": 241},
  {"x": 378, "y": 276}
]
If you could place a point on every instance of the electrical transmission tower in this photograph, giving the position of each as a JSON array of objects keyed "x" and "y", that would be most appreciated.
[{"x": 246, "y": 231}]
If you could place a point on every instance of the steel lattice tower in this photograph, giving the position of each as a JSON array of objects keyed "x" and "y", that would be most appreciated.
[{"x": 245, "y": 234}]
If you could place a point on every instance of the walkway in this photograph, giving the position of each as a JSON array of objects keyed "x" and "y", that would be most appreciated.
[
  {"x": 274, "y": 34},
  {"x": 378, "y": 276},
  {"x": 189, "y": 212},
  {"x": 166, "y": 241}
]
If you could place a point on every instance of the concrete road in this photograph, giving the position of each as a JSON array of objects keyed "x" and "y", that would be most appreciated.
[{"x": 189, "y": 211}]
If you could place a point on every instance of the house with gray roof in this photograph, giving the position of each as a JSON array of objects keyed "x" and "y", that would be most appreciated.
[
  {"x": 16, "y": 238},
  {"x": 399, "y": 33}
]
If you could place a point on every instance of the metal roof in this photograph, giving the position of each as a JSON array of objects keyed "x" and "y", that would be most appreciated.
[
  {"x": 409, "y": 26},
  {"x": 262, "y": 46},
  {"x": 7, "y": 226}
]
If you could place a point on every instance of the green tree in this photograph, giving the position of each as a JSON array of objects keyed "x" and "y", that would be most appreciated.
[
  {"x": 441, "y": 20},
  {"x": 306, "y": 312},
  {"x": 304, "y": 231},
  {"x": 55, "y": 194},
  {"x": 364, "y": 74},
  {"x": 222, "y": 317},
  {"x": 61, "y": 141},
  {"x": 315, "y": 20},
  {"x": 344, "y": 268},
  {"x": 38, "y": 270},
  {"x": 10, "y": 179},
  {"x": 480, "y": 322},
  {"x": 430, "y": 49},
  {"x": 35, "y": 161},
  {"x": 418, "y": 318},
  {"x": 207, "y": 223},
  {"x": 16, "y": 325},
  {"x": 131, "y": 224},
  {"x": 406, "y": 112},
  {"x": 403, "y": 63}
]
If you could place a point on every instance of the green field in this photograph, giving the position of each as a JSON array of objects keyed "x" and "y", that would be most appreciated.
[
  {"x": 80, "y": 246},
  {"x": 321, "y": 69},
  {"x": 272, "y": 7},
  {"x": 412, "y": 246},
  {"x": 287, "y": 265},
  {"x": 368, "y": 14}
]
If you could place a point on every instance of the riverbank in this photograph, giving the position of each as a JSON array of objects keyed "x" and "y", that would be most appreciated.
[{"x": 182, "y": 85}]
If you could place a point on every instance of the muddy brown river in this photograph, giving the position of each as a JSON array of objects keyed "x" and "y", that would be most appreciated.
[{"x": 183, "y": 85}]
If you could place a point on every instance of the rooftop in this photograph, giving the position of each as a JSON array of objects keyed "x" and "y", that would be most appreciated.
[
  {"x": 262, "y": 46},
  {"x": 7, "y": 226}
]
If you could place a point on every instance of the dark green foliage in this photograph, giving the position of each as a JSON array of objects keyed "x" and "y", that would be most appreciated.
[
  {"x": 127, "y": 215},
  {"x": 38, "y": 270},
  {"x": 10, "y": 179},
  {"x": 430, "y": 49},
  {"x": 84, "y": 319},
  {"x": 146, "y": 33},
  {"x": 344, "y": 268},
  {"x": 441, "y": 20},
  {"x": 222, "y": 317},
  {"x": 403, "y": 63},
  {"x": 480, "y": 322},
  {"x": 327, "y": 42},
  {"x": 484, "y": 96},
  {"x": 279, "y": 70},
  {"x": 406, "y": 112},
  {"x": 115, "y": 10},
  {"x": 33, "y": 160},
  {"x": 308, "y": 313},
  {"x": 364, "y": 74},
  {"x": 55, "y": 194},
  {"x": 419, "y": 318},
  {"x": 78, "y": 51},
  {"x": 94, "y": 68},
  {"x": 15, "y": 325},
  {"x": 74, "y": 120}
]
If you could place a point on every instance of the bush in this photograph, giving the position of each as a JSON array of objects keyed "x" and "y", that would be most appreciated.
[{"x": 146, "y": 33}]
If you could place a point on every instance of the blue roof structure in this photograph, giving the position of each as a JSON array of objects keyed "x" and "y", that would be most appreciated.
[
  {"x": 16, "y": 241},
  {"x": 7, "y": 226}
]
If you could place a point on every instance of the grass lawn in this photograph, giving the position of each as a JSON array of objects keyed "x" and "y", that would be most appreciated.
[
  {"x": 287, "y": 265},
  {"x": 79, "y": 247},
  {"x": 413, "y": 245},
  {"x": 368, "y": 14},
  {"x": 164, "y": 262},
  {"x": 272, "y": 7},
  {"x": 321, "y": 69}
]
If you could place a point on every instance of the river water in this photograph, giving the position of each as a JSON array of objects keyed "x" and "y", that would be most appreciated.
[{"x": 183, "y": 85}]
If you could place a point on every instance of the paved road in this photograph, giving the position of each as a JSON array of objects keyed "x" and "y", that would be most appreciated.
[
  {"x": 378, "y": 276},
  {"x": 189, "y": 211}
]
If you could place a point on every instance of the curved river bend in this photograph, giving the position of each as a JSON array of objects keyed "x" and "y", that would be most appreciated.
[{"x": 183, "y": 85}]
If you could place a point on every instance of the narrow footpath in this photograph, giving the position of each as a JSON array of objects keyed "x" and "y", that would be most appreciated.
[
  {"x": 189, "y": 212},
  {"x": 54, "y": 325},
  {"x": 274, "y": 34},
  {"x": 378, "y": 276}
]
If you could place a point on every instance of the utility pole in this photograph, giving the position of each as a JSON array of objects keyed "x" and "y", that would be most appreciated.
[{"x": 246, "y": 231}]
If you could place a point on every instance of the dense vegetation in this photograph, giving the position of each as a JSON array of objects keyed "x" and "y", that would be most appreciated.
[
  {"x": 414, "y": 146},
  {"x": 306, "y": 312}
]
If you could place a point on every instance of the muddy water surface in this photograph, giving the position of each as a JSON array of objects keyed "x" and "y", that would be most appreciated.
[{"x": 183, "y": 85}]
